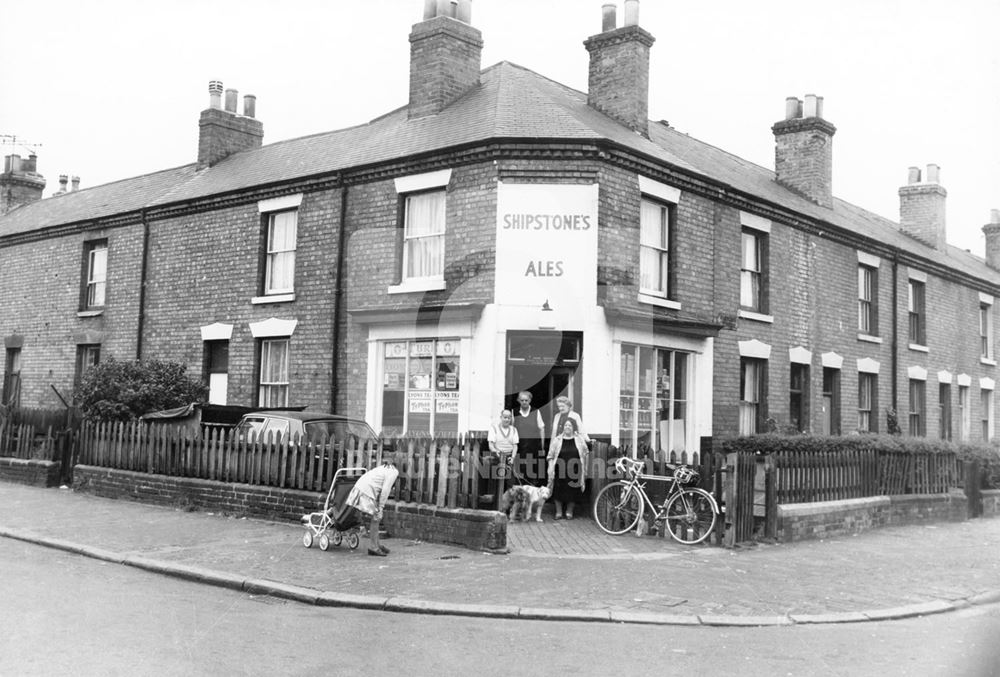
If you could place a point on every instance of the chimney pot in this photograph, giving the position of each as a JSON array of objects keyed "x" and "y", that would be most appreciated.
[
  {"x": 914, "y": 175},
  {"x": 63, "y": 180},
  {"x": 6, "y": 164},
  {"x": 430, "y": 9},
  {"x": 231, "y": 96},
  {"x": 215, "y": 94},
  {"x": 464, "y": 11},
  {"x": 793, "y": 108},
  {"x": 15, "y": 163},
  {"x": 933, "y": 174},
  {"x": 995, "y": 216},
  {"x": 609, "y": 17},
  {"x": 446, "y": 8},
  {"x": 249, "y": 105},
  {"x": 75, "y": 182},
  {"x": 631, "y": 12},
  {"x": 810, "y": 107}
]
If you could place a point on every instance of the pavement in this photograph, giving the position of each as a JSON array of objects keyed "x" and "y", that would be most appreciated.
[{"x": 555, "y": 570}]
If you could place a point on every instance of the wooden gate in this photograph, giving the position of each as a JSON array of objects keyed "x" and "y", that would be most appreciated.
[{"x": 748, "y": 497}]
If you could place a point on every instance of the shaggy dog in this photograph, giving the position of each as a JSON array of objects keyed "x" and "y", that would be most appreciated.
[
  {"x": 524, "y": 501},
  {"x": 514, "y": 503},
  {"x": 536, "y": 497}
]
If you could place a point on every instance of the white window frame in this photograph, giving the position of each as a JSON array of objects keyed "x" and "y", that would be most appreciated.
[
  {"x": 435, "y": 237},
  {"x": 267, "y": 388},
  {"x": 97, "y": 273},
  {"x": 281, "y": 254},
  {"x": 654, "y": 247},
  {"x": 986, "y": 329}
]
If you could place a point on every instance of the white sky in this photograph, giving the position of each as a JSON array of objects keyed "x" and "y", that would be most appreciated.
[{"x": 113, "y": 88}]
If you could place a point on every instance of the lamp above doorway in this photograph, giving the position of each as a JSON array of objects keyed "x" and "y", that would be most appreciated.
[{"x": 546, "y": 316}]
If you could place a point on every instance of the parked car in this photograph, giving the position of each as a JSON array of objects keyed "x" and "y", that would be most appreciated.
[{"x": 305, "y": 425}]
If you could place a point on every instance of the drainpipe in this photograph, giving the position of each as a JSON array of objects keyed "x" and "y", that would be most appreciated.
[
  {"x": 338, "y": 294},
  {"x": 142, "y": 286},
  {"x": 895, "y": 332}
]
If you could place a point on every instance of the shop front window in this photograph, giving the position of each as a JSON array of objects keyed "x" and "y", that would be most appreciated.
[
  {"x": 420, "y": 386},
  {"x": 653, "y": 401}
]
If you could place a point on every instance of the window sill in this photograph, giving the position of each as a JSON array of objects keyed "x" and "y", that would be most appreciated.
[
  {"x": 756, "y": 317},
  {"x": 919, "y": 348},
  {"x": 987, "y": 361},
  {"x": 90, "y": 313},
  {"x": 421, "y": 284},
  {"x": 869, "y": 338},
  {"x": 273, "y": 298},
  {"x": 658, "y": 301}
]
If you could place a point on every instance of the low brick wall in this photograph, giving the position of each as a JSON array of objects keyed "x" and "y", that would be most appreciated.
[
  {"x": 476, "y": 529},
  {"x": 30, "y": 471},
  {"x": 802, "y": 521},
  {"x": 991, "y": 502}
]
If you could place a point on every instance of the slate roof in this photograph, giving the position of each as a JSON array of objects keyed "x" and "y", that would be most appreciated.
[{"x": 510, "y": 103}]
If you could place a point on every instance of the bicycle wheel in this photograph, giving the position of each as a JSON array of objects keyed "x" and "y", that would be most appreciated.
[
  {"x": 617, "y": 508},
  {"x": 690, "y": 516}
]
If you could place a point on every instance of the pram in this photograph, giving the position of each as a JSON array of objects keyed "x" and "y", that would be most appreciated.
[{"x": 337, "y": 521}]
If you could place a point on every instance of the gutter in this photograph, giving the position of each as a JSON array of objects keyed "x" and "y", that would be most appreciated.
[
  {"x": 144, "y": 271},
  {"x": 895, "y": 334},
  {"x": 338, "y": 294}
]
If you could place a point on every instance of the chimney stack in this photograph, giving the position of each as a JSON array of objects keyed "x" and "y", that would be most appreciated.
[
  {"x": 992, "y": 232},
  {"x": 922, "y": 206},
  {"x": 222, "y": 131},
  {"x": 803, "y": 150},
  {"x": 20, "y": 182},
  {"x": 618, "y": 82},
  {"x": 445, "y": 56}
]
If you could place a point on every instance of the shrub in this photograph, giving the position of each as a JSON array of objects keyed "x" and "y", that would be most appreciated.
[
  {"x": 116, "y": 390},
  {"x": 989, "y": 460}
]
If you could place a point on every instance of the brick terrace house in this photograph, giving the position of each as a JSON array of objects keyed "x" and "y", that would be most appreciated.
[{"x": 504, "y": 232}]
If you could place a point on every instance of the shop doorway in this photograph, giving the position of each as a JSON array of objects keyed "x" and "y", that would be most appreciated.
[{"x": 547, "y": 364}]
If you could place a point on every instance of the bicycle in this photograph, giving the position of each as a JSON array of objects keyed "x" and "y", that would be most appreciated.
[{"x": 689, "y": 513}]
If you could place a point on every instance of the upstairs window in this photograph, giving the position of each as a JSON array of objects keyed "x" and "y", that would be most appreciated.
[
  {"x": 753, "y": 271},
  {"x": 867, "y": 300},
  {"x": 423, "y": 235},
  {"x": 95, "y": 274},
  {"x": 918, "y": 314},
  {"x": 655, "y": 231},
  {"x": 279, "y": 265},
  {"x": 986, "y": 331}
]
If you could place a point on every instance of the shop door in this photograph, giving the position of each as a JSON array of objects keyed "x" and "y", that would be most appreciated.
[{"x": 546, "y": 364}]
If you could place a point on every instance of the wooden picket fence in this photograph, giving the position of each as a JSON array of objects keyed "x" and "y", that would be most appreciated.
[
  {"x": 24, "y": 441},
  {"x": 439, "y": 471},
  {"x": 857, "y": 473}
]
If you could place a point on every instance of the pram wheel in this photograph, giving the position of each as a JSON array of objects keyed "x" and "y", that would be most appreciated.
[
  {"x": 324, "y": 542},
  {"x": 337, "y": 538},
  {"x": 307, "y": 539},
  {"x": 353, "y": 541}
]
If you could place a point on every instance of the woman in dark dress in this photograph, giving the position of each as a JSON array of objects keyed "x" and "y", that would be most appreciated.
[{"x": 567, "y": 457}]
